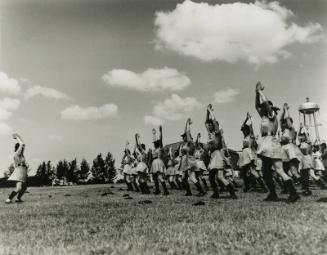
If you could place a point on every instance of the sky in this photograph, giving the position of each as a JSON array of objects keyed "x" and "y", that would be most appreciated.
[{"x": 81, "y": 77}]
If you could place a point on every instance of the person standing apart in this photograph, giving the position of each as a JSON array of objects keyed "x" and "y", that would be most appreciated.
[{"x": 20, "y": 173}]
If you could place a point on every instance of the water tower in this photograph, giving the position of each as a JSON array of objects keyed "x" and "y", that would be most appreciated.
[{"x": 308, "y": 111}]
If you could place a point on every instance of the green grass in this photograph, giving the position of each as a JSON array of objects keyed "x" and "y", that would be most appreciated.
[{"x": 50, "y": 222}]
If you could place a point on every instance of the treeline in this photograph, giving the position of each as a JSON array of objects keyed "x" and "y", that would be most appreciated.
[{"x": 102, "y": 170}]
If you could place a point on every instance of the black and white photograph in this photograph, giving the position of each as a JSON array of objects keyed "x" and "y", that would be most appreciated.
[{"x": 145, "y": 127}]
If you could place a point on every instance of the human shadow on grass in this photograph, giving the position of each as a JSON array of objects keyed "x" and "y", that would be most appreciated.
[
  {"x": 322, "y": 200},
  {"x": 145, "y": 202}
]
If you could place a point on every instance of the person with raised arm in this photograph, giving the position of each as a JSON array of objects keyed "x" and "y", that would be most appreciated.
[
  {"x": 248, "y": 158},
  {"x": 158, "y": 167},
  {"x": 134, "y": 174},
  {"x": 127, "y": 167},
  {"x": 199, "y": 155},
  {"x": 19, "y": 175},
  {"x": 178, "y": 171},
  {"x": 292, "y": 154},
  {"x": 269, "y": 147},
  {"x": 142, "y": 167},
  {"x": 217, "y": 150},
  {"x": 188, "y": 163},
  {"x": 171, "y": 171}
]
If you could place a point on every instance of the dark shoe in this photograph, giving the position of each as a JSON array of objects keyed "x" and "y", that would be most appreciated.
[
  {"x": 199, "y": 187},
  {"x": 206, "y": 188},
  {"x": 215, "y": 195},
  {"x": 272, "y": 198},
  {"x": 130, "y": 187},
  {"x": 199, "y": 203},
  {"x": 157, "y": 192},
  {"x": 18, "y": 200},
  {"x": 293, "y": 198},
  {"x": 233, "y": 196},
  {"x": 292, "y": 191},
  {"x": 163, "y": 184},
  {"x": 146, "y": 189},
  {"x": 231, "y": 190},
  {"x": 306, "y": 193},
  {"x": 201, "y": 194}
]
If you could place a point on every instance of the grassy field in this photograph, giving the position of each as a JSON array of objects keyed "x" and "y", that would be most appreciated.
[{"x": 81, "y": 220}]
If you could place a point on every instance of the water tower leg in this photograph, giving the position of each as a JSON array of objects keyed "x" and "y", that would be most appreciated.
[{"x": 316, "y": 127}]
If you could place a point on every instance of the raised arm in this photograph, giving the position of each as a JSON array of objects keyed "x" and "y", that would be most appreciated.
[
  {"x": 213, "y": 118},
  {"x": 197, "y": 142},
  {"x": 154, "y": 135},
  {"x": 171, "y": 156},
  {"x": 160, "y": 137},
  {"x": 286, "y": 116},
  {"x": 246, "y": 120},
  {"x": 135, "y": 152},
  {"x": 188, "y": 130},
  {"x": 21, "y": 143},
  {"x": 138, "y": 145},
  {"x": 261, "y": 103}
]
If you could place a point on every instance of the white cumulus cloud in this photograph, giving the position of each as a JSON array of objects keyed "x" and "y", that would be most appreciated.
[
  {"x": 173, "y": 108},
  {"x": 75, "y": 112},
  {"x": 46, "y": 92},
  {"x": 7, "y": 106},
  {"x": 9, "y": 85},
  {"x": 225, "y": 95},
  {"x": 152, "y": 120},
  {"x": 150, "y": 80},
  {"x": 254, "y": 32}
]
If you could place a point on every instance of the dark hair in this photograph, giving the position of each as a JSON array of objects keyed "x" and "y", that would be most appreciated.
[
  {"x": 274, "y": 108},
  {"x": 245, "y": 128},
  {"x": 17, "y": 146},
  {"x": 156, "y": 144}
]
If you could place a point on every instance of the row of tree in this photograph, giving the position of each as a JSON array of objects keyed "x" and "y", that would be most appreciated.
[{"x": 102, "y": 170}]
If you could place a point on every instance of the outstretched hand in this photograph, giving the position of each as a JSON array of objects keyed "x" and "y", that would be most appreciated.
[
  {"x": 259, "y": 86},
  {"x": 286, "y": 106}
]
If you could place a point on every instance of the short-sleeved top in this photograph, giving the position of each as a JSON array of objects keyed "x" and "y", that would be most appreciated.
[
  {"x": 198, "y": 153},
  {"x": 213, "y": 142},
  {"x": 316, "y": 155},
  {"x": 305, "y": 148},
  {"x": 155, "y": 153},
  {"x": 249, "y": 142},
  {"x": 269, "y": 126},
  {"x": 19, "y": 160}
]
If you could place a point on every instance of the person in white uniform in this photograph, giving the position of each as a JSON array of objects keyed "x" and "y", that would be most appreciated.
[{"x": 20, "y": 173}]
